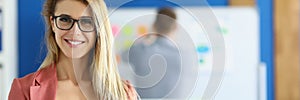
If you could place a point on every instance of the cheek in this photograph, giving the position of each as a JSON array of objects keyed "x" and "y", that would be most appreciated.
[
  {"x": 58, "y": 35},
  {"x": 92, "y": 39},
  {"x": 58, "y": 40}
]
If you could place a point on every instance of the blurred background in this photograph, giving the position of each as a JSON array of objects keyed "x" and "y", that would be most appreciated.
[{"x": 261, "y": 40}]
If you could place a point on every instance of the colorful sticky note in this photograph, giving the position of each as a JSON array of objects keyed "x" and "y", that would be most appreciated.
[
  {"x": 128, "y": 44},
  {"x": 142, "y": 30},
  {"x": 118, "y": 58},
  {"x": 115, "y": 30},
  {"x": 202, "y": 49},
  {"x": 223, "y": 30},
  {"x": 201, "y": 61},
  {"x": 127, "y": 30}
]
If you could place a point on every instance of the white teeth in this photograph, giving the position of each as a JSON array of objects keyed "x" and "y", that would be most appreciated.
[{"x": 74, "y": 42}]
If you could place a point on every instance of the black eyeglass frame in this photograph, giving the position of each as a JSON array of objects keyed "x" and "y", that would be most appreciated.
[{"x": 74, "y": 20}]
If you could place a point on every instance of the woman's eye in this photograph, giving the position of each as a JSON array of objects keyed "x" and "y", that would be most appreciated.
[
  {"x": 64, "y": 19},
  {"x": 86, "y": 21}
]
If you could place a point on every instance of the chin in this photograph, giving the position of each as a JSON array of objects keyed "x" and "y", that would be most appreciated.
[{"x": 75, "y": 55}]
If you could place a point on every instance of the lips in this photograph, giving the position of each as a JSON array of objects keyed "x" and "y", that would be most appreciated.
[{"x": 73, "y": 43}]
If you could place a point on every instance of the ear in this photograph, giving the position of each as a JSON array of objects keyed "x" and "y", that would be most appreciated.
[{"x": 51, "y": 22}]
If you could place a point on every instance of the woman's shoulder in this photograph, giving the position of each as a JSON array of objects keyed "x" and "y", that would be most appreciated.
[
  {"x": 25, "y": 81},
  {"x": 21, "y": 86},
  {"x": 130, "y": 91},
  {"x": 28, "y": 79}
]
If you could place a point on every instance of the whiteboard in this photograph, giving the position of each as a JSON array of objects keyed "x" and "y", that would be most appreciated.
[{"x": 239, "y": 27}]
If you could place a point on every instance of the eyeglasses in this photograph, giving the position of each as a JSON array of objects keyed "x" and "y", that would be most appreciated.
[{"x": 65, "y": 22}]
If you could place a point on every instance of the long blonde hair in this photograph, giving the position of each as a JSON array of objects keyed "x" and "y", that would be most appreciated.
[{"x": 106, "y": 80}]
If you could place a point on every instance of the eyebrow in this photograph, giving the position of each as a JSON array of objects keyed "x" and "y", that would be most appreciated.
[{"x": 74, "y": 18}]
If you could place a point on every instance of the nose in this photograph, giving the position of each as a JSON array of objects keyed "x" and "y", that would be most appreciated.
[{"x": 75, "y": 29}]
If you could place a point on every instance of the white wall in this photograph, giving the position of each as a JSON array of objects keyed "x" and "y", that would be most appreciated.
[
  {"x": 1, "y": 3},
  {"x": 8, "y": 55}
]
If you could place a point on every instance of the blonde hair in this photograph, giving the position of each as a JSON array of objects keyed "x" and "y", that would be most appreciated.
[{"x": 106, "y": 80}]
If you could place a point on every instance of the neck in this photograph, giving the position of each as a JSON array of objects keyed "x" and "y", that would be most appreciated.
[
  {"x": 171, "y": 35},
  {"x": 71, "y": 68}
]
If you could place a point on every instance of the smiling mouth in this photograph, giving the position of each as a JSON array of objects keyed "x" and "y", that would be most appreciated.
[{"x": 73, "y": 43}]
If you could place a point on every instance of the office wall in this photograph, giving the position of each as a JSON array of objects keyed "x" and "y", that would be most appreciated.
[
  {"x": 31, "y": 31},
  {"x": 31, "y": 28},
  {"x": 8, "y": 52}
]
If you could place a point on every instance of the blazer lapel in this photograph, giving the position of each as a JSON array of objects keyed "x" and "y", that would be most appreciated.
[
  {"x": 34, "y": 93},
  {"x": 44, "y": 84}
]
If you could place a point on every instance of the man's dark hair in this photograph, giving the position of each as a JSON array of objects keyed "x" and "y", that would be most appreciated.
[{"x": 165, "y": 20}]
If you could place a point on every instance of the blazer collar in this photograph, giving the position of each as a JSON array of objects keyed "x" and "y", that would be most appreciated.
[{"x": 44, "y": 84}]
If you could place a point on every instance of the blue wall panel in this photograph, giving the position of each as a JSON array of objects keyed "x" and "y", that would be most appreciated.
[
  {"x": 1, "y": 27},
  {"x": 265, "y": 8},
  {"x": 30, "y": 35}
]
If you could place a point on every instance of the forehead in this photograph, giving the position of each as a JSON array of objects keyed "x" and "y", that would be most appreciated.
[{"x": 73, "y": 8}]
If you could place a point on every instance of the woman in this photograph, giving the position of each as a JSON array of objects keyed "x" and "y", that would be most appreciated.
[{"x": 80, "y": 63}]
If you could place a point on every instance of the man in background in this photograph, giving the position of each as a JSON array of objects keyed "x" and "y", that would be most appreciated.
[{"x": 156, "y": 59}]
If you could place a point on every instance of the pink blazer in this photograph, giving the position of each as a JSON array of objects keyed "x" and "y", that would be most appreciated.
[{"x": 41, "y": 85}]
